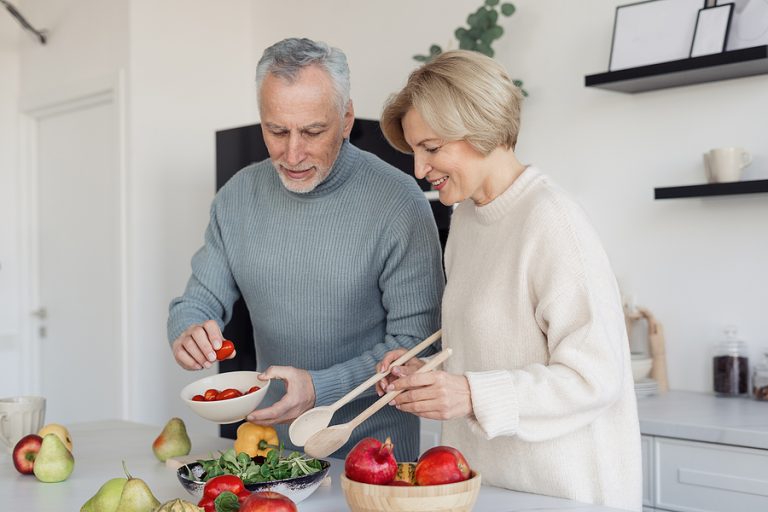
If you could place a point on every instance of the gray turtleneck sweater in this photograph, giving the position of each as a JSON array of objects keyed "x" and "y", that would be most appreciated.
[{"x": 333, "y": 279}]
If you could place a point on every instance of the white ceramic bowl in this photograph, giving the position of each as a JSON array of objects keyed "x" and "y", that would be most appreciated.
[
  {"x": 233, "y": 409},
  {"x": 641, "y": 367}
]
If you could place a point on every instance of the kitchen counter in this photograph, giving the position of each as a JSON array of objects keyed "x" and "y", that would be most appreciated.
[
  {"x": 99, "y": 448},
  {"x": 705, "y": 417}
]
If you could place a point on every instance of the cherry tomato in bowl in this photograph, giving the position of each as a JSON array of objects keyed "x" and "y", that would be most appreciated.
[{"x": 226, "y": 394}]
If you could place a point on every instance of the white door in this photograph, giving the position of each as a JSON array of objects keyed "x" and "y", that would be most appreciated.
[{"x": 79, "y": 261}]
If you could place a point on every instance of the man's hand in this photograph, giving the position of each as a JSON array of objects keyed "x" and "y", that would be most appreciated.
[
  {"x": 299, "y": 396},
  {"x": 195, "y": 348}
]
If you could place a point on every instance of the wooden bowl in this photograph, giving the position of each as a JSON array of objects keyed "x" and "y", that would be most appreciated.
[{"x": 460, "y": 496}]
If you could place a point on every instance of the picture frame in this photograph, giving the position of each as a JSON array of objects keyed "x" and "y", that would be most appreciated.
[
  {"x": 712, "y": 26},
  {"x": 749, "y": 24},
  {"x": 653, "y": 31}
]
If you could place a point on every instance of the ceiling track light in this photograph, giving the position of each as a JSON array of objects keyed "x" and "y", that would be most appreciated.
[{"x": 41, "y": 34}]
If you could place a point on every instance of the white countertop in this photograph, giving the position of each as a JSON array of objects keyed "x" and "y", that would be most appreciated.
[
  {"x": 705, "y": 417},
  {"x": 100, "y": 447}
]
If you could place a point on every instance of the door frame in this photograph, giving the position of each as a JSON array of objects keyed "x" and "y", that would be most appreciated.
[{"x": 33, "y": 108}]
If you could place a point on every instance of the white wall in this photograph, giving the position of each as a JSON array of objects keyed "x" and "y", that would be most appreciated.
[
  {"x": 695, "y": 263},
  {"x": 10, "y": 383},
  {"x": 191, "y": 74}
]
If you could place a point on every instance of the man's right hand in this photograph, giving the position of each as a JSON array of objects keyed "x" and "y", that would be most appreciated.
[{"x": 195, "y": 348}]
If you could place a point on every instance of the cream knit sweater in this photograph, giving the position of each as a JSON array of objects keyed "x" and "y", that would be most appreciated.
[{"x": 533, "y": 314}]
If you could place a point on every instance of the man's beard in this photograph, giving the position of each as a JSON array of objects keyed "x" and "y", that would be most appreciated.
[{"x": 303, "y": 186}]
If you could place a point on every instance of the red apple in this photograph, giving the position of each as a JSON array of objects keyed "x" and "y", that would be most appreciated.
[
  {"x": 441, "y": 465},
  {"x": 24, "y": 453},
  {"x": 268, "y": 501},
  {"x": 400, "y": 483},
  {"x": 371, "y": 462}
]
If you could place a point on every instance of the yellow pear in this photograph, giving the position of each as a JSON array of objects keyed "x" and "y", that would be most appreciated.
[
  {"x": 106, "y": 498},
  {"x": 54, "y": 463},
  {"x": 136, "y": 496},
  {"x": 173, "y": 441},
  {"x": 60, "y": 430}
]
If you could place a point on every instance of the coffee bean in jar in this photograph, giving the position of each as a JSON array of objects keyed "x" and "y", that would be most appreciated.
[
  {"x": 730, "y": 366},
  {"x": 760, "y": 378}
]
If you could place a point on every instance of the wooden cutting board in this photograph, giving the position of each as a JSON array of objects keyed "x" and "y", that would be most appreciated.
[{"x": 175, "y": 463}]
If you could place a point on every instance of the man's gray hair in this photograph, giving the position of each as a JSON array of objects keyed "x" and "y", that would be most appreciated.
[{"x": 288, "y": 57}]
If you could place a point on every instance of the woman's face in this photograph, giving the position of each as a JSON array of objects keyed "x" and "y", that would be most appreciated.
[{"x": 454, "y": 168}]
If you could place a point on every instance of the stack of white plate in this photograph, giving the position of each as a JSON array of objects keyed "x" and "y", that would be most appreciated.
[{"x": 646, "y": 387}]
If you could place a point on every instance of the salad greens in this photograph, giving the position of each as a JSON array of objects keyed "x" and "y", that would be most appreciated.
[{"x": 273, "y": 467}]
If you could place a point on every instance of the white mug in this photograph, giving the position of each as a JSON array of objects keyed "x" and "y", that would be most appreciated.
[
  {"x": 725, "y": 164},
  {"x": 19, "y": 416}
]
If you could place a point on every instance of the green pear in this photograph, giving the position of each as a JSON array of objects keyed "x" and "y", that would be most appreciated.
[
  {"x": 106, "y": 498},
  {"x": 54, "y": 463},
  {"x": 136, "y": 496},
  {"x": 173, "y": 441}
]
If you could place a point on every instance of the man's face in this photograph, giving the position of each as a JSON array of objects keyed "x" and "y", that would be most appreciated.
[{"x": 302, "y": 127}]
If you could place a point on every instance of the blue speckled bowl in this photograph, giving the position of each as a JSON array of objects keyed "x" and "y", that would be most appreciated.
[{"x": 297, "y": 489}]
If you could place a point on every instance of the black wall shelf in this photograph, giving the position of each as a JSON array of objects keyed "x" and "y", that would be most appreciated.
[
  {"x": 707, "y": 68},
  {"x": 712, "y": 189}
]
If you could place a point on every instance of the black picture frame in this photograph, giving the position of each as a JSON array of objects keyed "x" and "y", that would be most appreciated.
[
  {"x": 712, "y": 27},
  {"x": 652, "y": 31}
]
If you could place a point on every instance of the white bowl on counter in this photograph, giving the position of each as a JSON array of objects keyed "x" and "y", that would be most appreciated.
[{"x": 641, "y": 367}]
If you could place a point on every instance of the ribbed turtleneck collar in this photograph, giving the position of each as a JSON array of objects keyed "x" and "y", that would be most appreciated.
[
  {"x": 500, "y": 206},
  {"x": 340, "y": 172}
]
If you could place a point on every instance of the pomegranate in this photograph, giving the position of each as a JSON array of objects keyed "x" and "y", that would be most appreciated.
[
  {"x": 371, "y": 462},
  {"x": 441, "y": 465}
]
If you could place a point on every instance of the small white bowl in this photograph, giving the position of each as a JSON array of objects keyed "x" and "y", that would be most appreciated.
[
  {"x": 233, "y": 409},
  {"x": 641, "y": 367}
]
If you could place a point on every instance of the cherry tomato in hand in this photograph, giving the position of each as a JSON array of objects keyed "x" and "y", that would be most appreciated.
[
  {"x": 210, "y": 394},
  {"x": 227, "y": 347},
  {"x": 253, "y": 389},
  {"x": 228, "y": 393},
  {"x": 198, "y": 398}
]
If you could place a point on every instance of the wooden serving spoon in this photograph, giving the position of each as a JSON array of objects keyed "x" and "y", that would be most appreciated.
[
  {"x": 330, "y": 439},
  {"x": 316, "y": 419}
]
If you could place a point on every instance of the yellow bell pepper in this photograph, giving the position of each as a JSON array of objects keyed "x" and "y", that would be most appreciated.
[{"x": 255, "y": 439}]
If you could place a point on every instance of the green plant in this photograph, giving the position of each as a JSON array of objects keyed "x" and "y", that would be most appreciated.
[{"x": 479, "y": 36}]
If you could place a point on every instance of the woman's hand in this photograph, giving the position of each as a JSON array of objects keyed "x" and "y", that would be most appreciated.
[
  {"x": 397, "y": 371},
  {"x": 436, "y": 395}
]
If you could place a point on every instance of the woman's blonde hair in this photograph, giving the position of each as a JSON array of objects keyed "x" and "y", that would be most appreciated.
[{"x": 461, "y": 95}]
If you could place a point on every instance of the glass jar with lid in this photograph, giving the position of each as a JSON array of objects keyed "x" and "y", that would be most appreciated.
[
  {"x": 730, "y": 365},
  {"x": 760, "y": 378}
]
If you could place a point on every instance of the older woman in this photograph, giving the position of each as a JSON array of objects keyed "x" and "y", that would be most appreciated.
[{"x": 539, "y": 393}]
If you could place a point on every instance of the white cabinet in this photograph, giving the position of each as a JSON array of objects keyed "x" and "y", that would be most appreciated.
[
  {"x": 647, "y": 446},
  {"x": 690, "y": 476}
]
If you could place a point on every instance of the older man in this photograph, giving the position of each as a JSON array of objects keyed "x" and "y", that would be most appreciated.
[{"x": 334, "y": 251}]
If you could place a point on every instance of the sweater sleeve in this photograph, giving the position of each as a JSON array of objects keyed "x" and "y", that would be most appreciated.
[
  {"x": 211, "y": 290},
  {"x": 578, "y": 309},
  {"x": 411, "y": 283}
]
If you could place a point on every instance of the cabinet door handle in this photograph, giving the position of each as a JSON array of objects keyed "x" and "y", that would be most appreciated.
[{"x": 40, "y": 313}]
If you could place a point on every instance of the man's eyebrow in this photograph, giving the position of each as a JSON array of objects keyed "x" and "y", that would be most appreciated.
[
  {"x": 314, "y": 126},
  {"x": 273, "y": 126}
]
